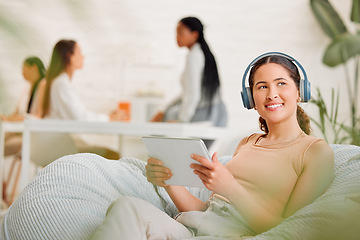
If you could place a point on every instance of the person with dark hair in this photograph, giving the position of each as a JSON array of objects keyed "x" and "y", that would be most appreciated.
[
  {"x": 302, "y": 118},
  {"x": 200, "y": 99},
  {"x": 29, "y": 103},
  {"x": 61, "y": 100},
  {"x": 33, "y": 71},
  {"x": 269, "y": 178}
]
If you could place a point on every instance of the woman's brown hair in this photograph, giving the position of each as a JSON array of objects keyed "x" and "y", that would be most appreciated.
[
  {"x": 60, "y": 59},
  {"x": 302, "y": 117}
]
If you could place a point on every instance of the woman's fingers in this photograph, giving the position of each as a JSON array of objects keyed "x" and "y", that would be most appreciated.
[
  {"x": 200, "y": 168},
  {"x": 201, "y": 175},
  {"x": 154, "y": 161},
  {"x": 215, "y": 158},
  {"x": 155, "y": 168},
  {"x": 203, "y": 161},
  {"x": 158, "y": 174},
  {"x": 158, "y": 180}
]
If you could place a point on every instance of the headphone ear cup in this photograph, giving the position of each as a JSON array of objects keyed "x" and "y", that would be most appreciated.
[
  {"x": 305, "y": 91},
  {"x": 250, "y": 97},
  {"x": 247, "y": 98}
]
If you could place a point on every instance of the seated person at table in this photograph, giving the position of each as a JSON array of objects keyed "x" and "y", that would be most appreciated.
[
  {"x": 200, "y": 99},
  {"x": 33, "y": 71},
  {"x": 61, "y": 100},
  {"x": 269, "y": 178},
  {"x": 30, "y": 102}
]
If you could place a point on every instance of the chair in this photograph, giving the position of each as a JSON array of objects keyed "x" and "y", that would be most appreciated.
[{"x": 47, "y": 147}]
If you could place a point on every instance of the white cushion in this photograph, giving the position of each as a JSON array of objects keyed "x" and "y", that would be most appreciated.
[{"x": 68, "y": 199}]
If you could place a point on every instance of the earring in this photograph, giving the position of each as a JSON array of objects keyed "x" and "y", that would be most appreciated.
[{"x": 298, "y": 99}]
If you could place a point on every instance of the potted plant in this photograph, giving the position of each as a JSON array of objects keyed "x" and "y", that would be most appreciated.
[{"x": 344, "y": 49}]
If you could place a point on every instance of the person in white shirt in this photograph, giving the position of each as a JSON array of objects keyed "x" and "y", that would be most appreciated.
[
  {"x": 29, "y": 103},
  {"x": 61, "y": 99},
  {"x": 28, "y": 106},
  {"x": 200, "y": 99}
]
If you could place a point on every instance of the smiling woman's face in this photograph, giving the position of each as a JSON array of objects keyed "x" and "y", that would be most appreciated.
[{"x": 275, "y": 93}]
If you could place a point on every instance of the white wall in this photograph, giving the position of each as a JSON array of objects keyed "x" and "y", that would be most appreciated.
[{"x": 130, "y": 43}]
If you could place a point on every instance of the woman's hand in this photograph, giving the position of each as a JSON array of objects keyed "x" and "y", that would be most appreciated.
[
  {"x": 158, "y": 117},
  {"x": 215, "y": 176},
  {"x": 118, "y": 115},
  {"x": 13, "y": 118},
  {"x": 156, "y": 173}
]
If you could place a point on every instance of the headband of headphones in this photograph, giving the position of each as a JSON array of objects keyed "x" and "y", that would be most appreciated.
[{"x": 304, "y": 89}]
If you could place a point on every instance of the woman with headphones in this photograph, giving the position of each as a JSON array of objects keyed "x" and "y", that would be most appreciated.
[{"x": 270, "y": 176}]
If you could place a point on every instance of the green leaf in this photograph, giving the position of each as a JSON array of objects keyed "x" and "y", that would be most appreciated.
[
  {"x": 341, "y": 49},
  {"x": 355, "y": 11},
  {"x": 328, "y": 18}
]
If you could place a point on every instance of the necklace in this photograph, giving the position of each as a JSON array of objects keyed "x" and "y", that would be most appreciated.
[{"x": 257, "y": 142}]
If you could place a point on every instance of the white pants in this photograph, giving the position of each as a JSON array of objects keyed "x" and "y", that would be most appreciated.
[{"x": 131, "y": 218}]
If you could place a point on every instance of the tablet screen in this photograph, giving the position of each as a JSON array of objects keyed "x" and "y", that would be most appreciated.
[{"x": 175, "y": 153}]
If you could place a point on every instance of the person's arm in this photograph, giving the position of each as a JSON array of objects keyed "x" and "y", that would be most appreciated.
[
  {"x": 217, "y": 178},
  {"x": 184, "y": 201},
  {"x": 192, "y": 78},
  {"x": 182, "y": 198},
  {"x": 315, "y": 178},
  {"x": 117, "y": 115},
  {"x": 13, "y": 118},
  {"x": 158, "y": 117},
  {"x": 20, "y": 110}
]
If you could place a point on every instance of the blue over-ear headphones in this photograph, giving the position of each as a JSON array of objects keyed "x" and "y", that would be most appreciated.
[{"x": 304, "y": 89}]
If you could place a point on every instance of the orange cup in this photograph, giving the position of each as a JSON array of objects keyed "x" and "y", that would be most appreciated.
[{"x": 126, "y": 108}]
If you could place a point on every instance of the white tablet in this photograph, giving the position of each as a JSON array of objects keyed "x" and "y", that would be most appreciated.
[{"x": 175, "y": 153}]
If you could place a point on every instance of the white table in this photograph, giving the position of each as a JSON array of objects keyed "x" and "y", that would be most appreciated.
[
  {"x": 118, "y": 128},
  {"x": 6, "y": 127}
]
